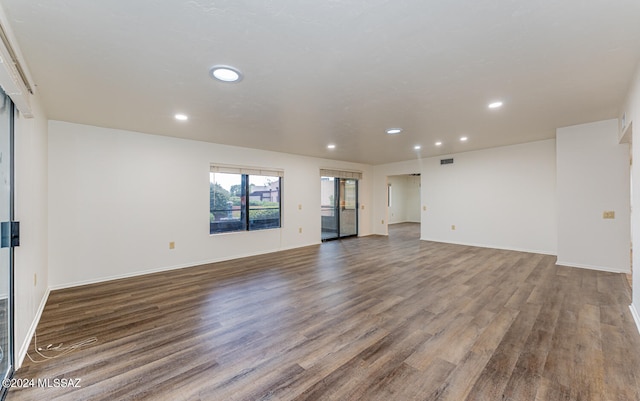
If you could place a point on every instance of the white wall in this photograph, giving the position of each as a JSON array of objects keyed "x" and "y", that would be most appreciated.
[
  {"x": 412, "y": 199},
  {"x": 117, "y": 198},
  {"x": 593, "y": 177},
  {"x": 502, "y": 197},
  {"x": 31, "y": 211},
  {"x": 397, "y": 210},
  {"x": 405, "y": 205},
  {"x": 632, "y": 110}
]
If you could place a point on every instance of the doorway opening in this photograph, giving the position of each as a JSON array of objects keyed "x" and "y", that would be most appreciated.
[{"x": 404, "y": 204}]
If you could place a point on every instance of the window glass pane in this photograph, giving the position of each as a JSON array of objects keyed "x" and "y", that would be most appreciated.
[
  {"x": 349, "y": 191},
  {"x": 264, "y": 202},
  {"x": 328, "y": 208},
  {"x": 226, "y": 203}
]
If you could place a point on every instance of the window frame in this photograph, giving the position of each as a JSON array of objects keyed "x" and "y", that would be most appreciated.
[{"x": 246, "y": 223}]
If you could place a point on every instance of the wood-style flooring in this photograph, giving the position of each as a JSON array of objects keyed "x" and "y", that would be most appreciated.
[{"x": 371, "y": 318}]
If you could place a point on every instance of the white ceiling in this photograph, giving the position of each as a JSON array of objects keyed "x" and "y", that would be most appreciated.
[{"x": 333, "y": 71}]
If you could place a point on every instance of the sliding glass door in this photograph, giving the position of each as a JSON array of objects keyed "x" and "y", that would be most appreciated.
[
  {"x": 8, "y": 238},
  {"x": 338, "y": 207}
]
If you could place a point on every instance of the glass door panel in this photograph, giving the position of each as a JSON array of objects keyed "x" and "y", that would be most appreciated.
[
  {"x": 6, "y": 253},
  {"x": 348, "y": 207},
  {"x": 338, "y": 207},
  {"x": 329, "y": 208}
]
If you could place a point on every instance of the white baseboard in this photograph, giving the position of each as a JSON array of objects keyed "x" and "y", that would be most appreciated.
[
  {"x": 167, "y": 268},
  {"x": 32, "y": 329},
  {"x": 365, "y": 235},
  {"x": 538, "y": 251},
  {"x": 636, "y": 317},
  {"x": 592, "y": 267}
]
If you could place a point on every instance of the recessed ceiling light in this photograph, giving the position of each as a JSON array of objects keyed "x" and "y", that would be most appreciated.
[
  {"x": 181, "y": 117},
  {"x": 417, "y": 147},
  {"x": 495, "y": 105},
  {"x": 225, "y": 73},
  {"x": 463, "y": 139},
  {"x": 393, "y": 131},
  {"x": 331, "y": 146},
  {"x": 438, "y": 143}
]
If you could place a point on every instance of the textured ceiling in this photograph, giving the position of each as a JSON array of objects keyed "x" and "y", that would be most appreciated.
[{"x": 319, "y": 72}]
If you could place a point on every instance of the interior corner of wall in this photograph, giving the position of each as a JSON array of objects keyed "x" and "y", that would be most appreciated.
[{"x": 32, "y": 330}]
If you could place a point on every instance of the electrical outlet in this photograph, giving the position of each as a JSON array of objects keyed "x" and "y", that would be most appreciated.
[
  {"x": 362, "y": 207},
  {"x": 299, "y": 206},
  {"x": 381, "y": 221},
  {"x": 453, "y": 227},
  {"x": 609, "y": 215},
  {"x": 172, "y": 245},
  {"x": 300, "y": 230},
  {"x": 424, "y": 208}
]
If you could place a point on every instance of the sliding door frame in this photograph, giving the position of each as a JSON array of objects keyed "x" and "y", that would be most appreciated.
[
  {"x": 13, "y": 240},
  {"x": 337, "y": 208}
]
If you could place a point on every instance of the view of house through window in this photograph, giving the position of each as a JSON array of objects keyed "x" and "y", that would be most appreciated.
[{"x": 240, "y": 202}]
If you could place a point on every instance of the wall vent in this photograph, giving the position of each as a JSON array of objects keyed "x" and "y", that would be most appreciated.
[{"x": 446, "y": 161}]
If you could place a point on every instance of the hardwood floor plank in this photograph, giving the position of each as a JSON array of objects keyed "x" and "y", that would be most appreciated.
[
  {"x": 526, "y": 376},
  {"x": 623, "y": 382},
  {"x": 374, "y": 318},
  {"x": 406, "y": 383},
  {"x": 495, "y": 377}
]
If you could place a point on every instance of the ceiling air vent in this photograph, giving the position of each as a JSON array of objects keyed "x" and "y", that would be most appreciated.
[{"x": 446, "y": 161}]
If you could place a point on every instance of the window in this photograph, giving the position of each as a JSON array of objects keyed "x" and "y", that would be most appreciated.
[
  {"x": 226, "y": 203},
  {"x": 239, "y": 201},
  {"x": 264, "y": 202}
]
